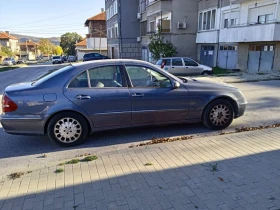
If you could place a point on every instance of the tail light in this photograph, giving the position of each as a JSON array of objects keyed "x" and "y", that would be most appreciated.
[{"x": 8, "y": 105}]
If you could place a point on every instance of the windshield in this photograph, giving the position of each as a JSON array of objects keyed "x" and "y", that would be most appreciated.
[
  {"x": 159, "y": 62},
  {"x": 7, "y": 59},
  {"x": 50, "y": 74},
  {"x": 56, "y": 57}
]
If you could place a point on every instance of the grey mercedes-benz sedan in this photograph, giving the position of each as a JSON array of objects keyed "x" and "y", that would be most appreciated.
[{"x": 75, "y": 101}]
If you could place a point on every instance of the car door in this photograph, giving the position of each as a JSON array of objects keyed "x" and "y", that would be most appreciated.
[
  {"x": 177, "y": 67},
  {"x": 153, "y": 98},
  {"x": 103, "y": 94},
  {"x": 192, "y": 68}
]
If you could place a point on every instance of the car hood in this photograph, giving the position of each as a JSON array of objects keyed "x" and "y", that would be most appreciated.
[
  {"x": 206, "y": 83},
  {"x": 205, "y": 67}
]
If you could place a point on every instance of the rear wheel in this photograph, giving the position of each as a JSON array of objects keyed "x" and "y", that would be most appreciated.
[
  {"x": 218, "y": 114},
  {"x": 67, "y": 129}
]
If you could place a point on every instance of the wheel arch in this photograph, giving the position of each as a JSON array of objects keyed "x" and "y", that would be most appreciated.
[
  {"x": 89, "y": 124},
  {"x": 228, "y": 98}
]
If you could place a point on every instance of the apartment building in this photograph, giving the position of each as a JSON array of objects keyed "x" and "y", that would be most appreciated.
[
  {"x": 9, "y": 41},
  {"x": 239, "y": 34},
  {"x": 178, "y": 24},
  {"x": 123, "y": 28}
]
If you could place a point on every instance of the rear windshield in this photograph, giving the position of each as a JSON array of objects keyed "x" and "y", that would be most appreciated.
[
  {"x": 56, "y": 57},
  {"x": 7, "y": 59},
  {"x": 51, "y": 74}
]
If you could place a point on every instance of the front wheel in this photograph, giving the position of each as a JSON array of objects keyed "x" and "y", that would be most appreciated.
[
  {"x": 67, "y": 129},
  {"x": 205, "y": 73},
  {"x": 218, "y": 114}
]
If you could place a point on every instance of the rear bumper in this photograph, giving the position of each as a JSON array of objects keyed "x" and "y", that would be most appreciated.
[
  {"x": 241, "y": 110},
  {"x": 28, "y": 125}
]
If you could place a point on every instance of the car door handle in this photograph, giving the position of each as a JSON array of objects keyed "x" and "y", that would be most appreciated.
[
  {"x": 82, "y": 97},
  {"x": 187, "y": 67},
  {"x": 137, "y": 95}
]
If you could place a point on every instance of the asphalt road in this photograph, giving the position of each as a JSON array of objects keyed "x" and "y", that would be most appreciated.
[{"x": 23, "y": 153}]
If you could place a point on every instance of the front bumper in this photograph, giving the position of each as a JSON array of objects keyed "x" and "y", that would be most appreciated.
[
  {"x": 241, "y": 110},
  {"x": 27, "y": 125}
]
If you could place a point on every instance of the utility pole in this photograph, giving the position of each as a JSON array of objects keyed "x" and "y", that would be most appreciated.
[
  {"x": 26, "y": 49},
  {"x": 100, "y": 29},
  {"x": 100, "y": 36}
]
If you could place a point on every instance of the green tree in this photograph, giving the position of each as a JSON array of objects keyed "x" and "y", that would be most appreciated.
[
  {"x": 46, "y": 46},
  {"x": 57, "y": 50},
  {"x": 68, "y": 42},
  {"x": 6, "y": 51},
  {"x": 161, "y": 48}
]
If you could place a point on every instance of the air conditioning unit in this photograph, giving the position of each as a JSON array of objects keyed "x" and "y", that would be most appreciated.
[
  {"x": 139, "y": 16},
  {"x": 181, "y": 25},
  {"x": 138, "y": 39}
]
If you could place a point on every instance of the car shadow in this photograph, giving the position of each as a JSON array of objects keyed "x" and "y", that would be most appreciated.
[{"x": 16, "y": 145}]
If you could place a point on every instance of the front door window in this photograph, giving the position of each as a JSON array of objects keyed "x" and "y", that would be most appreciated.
[{"x": 145, "y": 77}]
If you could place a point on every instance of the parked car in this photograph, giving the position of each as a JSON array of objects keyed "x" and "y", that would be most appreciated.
[
  {"x": 64, "y": 58},
  {"x": 72, "y": 58},
  {"x": 78, "y": 100},
  {"x": 94, "y": 56},
  {"x": 9, "y": 62},
  {"x": 21, "y": 61},
  {"x": 57, "y": 59},
  {"x": 183, "y": 66}
]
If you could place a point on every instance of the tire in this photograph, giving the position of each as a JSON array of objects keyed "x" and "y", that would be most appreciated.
[
  {"x": 214, "y": 122},
  {"x": 205, "y": 73},
  {"x": 56, "y": 126}
]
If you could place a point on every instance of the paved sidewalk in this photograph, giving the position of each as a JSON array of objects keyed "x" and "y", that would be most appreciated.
[
  {"x": 237, "y": 171},
  {"x": 240, "y": 77}
]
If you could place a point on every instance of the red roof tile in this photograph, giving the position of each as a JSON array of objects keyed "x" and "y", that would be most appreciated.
[{"x": 4, "y": 35}]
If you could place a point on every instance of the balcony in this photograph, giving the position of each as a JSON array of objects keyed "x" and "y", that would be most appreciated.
[
  {"x": 156, "y": 7},
  {"x": 238, "y": 1},
  {"x": 251, "y": 33},
  {"x": 207, "y": 37}
]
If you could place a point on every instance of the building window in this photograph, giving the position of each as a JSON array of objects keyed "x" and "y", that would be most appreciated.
[
  {"x": 112, "y": 32},
  {"x": 116, "y": 7},
  {"x": 143, "y": 28},
  {"x": 152, "y": 27},
  {"x": 265, "y": 18},
  {"x": 116, "y": 30},
  {"x": 230, "y": 22},
  {"x": 108, "y": 33},
  {"x": 207, "y": 20}
]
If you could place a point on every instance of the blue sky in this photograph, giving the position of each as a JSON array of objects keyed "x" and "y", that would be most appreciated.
[{"x": 47, "y": 18}]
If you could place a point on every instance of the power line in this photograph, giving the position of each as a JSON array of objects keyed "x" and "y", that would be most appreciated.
[
  {"x": 45, "y": 26},
  {"x": 48, "y": 30},
  {"x": 51, "y": 18}
]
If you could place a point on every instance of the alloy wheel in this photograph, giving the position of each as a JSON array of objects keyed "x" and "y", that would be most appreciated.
[
  {"x": 220, "y": 114},
  {"x": 67, "y": 130}
]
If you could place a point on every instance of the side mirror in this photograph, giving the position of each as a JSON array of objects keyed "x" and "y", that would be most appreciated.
[{"x": 176, "y": 85}]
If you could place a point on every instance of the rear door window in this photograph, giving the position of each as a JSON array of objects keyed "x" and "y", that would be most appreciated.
[
  {"x": 97, "y": 55},
  {"x": 80, "y": 81},
  {"x": 177, "y": 62},
  {"x": 190, "y": 62},
  {"x": 107, "y": 76}
]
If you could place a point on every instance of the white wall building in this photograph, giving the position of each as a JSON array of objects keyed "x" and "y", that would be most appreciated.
[{"x": 246, "y": 34}]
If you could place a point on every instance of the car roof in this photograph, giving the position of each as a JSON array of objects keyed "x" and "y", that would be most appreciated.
[
  {"x": 174, "y": 57},
  {"x": 112, "y": 61}
]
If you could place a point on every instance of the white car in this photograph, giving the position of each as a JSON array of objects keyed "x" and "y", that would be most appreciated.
[
  {"x": 9, "y": 62},
  {"x": 181, "y": 66},
  {"x": 57, "y": 59}
]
